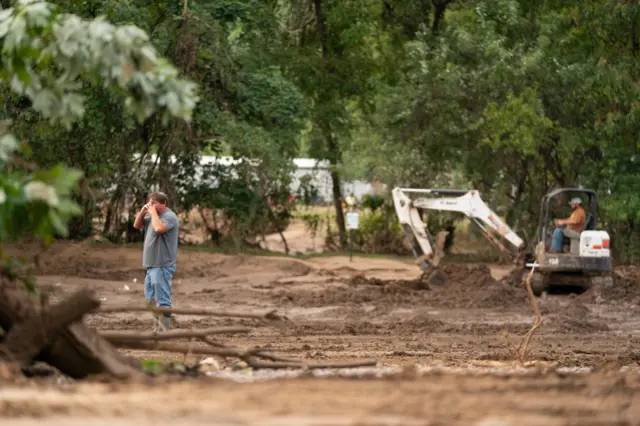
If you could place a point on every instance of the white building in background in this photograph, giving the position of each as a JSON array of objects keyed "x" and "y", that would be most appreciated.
[
  {"x": 317, "y": 169},
  {"x": 321, "y": 179}
]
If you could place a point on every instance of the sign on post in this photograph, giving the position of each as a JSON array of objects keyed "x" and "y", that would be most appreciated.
[
  {"x": 352, "y": 223},
  {"x": 352, "y": 220}
]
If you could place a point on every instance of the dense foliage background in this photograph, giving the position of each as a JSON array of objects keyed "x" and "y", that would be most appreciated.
[{"x": 513, "y": 97}]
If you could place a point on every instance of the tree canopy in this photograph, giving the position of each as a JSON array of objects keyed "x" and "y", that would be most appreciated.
[{"x": 511, "y": 97}]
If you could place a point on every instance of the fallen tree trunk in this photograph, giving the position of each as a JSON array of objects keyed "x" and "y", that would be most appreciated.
[
  {"x": 27, "y": 339},
  {"x": 77, "y": 351}
]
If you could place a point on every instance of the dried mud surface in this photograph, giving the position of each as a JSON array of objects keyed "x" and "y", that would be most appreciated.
[{"x": 347, "y": 311}]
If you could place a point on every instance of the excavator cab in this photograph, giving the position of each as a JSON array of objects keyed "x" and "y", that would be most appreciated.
[
  {"x": 554, "y": 205},
  {"x": 584, "y": 261}
]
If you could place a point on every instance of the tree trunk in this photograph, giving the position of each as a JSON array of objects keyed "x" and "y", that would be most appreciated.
[
  {"x": 27, "y": 339},
  {"x": 332, "y": 147},
  {"x": 77, "y": 351},
  {"x": 279, "y": 228},
  {"x": 517, "y": 198},
  {"x": 440, "y": 6},
  {"x": 635, "y": 40},
  {"x": 337, "y": 202}
]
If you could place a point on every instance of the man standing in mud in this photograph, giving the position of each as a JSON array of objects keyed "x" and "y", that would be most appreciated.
[{"x": 160, "y": 225}]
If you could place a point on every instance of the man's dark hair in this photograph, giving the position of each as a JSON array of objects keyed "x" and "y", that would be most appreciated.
[{"x": 160, "y": 197}]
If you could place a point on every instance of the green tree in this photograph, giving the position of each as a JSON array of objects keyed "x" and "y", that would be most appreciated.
[
  {"x": 328, "y": 48},
  {"x": 245, "y": 104},
  {"x": 44, "y": 55}
]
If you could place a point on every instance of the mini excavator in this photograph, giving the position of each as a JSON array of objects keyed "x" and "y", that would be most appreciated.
[{"x": 582, "y": 263}]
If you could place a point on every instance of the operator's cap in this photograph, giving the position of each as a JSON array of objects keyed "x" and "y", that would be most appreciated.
[{"x": 576, "y": 200}]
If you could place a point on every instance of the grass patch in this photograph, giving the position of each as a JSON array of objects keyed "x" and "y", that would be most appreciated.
[{"x": 157, "y": 368}]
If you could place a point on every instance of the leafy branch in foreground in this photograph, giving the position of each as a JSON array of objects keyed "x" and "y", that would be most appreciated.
[
  {"x": 47, "y": 56},
  {"x": 45, "y": 52}
]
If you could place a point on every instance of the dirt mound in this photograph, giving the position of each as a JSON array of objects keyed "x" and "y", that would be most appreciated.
[
  {"x": 378, "y": 293},
  {"x": 400, "y": 285},
  {"x": 466, "y": 286},
  {"x": 418, "y": 323},
  {"x": 115, "y": 263},
  {"x": 625, "y": 288},
  {"x": 567, "y": 323},
  {"x": 571, "y": 315},
  {"x": 473, "y": 286}
]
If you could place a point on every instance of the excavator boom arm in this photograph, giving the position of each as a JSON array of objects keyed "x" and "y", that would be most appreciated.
[{"x": 468, "y": 203}]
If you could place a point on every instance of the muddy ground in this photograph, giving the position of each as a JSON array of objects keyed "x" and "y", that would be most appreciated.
[{"x": 453, "y": 346}]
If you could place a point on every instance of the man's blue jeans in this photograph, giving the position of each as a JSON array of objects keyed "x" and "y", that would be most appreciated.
[
  {"x": 558, "y": 239},
  {"x": 157, "y": 285}
]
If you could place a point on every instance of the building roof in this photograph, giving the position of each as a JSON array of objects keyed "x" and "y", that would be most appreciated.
[{"x": 310, "y": 163}]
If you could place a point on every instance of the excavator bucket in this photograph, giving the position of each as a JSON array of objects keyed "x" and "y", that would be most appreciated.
[{"x": 435, "y": 277}]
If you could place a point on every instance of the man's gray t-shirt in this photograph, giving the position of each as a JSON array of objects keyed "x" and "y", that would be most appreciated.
[{"x": 161, "y": 249}]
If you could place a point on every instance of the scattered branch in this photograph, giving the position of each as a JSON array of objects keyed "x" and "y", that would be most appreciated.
[
  {"x": 246, "y": 355},
  {"x": 126, "y": 336},
  {"x": 259, "y": 353},
  {"x": 270, "y": 316},
  {"x": 279, "y": 365},
  {"x": 182, "y": 348}
]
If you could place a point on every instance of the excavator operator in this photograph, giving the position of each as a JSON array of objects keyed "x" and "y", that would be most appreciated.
[{"x": 574, "y": 225}]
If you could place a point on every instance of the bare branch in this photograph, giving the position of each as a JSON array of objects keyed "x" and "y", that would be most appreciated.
[
  {"x": 271, "y": 315},
  {"x": 180, "y": 348},
  {"x": 244, "y": 354},
  {"x": 279, "y": 365},
  {"x": 126, "y": 336}
]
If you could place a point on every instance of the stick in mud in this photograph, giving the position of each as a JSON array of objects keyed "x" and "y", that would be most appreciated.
[{"x": 524, "y": 343}]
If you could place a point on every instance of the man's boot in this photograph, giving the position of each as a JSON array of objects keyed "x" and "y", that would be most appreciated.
[
  {"x": 166, "y": 321},
  {"x": 155, "y": 317}
]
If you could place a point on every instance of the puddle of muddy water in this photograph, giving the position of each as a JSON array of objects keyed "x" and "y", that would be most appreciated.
[{"x": 381, "y": 372}]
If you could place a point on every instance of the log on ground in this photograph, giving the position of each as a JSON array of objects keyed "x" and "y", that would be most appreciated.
[
  {"x": 78, "y": 351},
  {"x": 27, "y": 339}
]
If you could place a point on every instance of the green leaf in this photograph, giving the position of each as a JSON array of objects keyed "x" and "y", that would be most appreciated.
[
  {"x": 58, "y": 224},
  {"x": 8, "y": 144},
  {"x": 67, "y": 180},
  {"x": 68, "y": 207}
]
